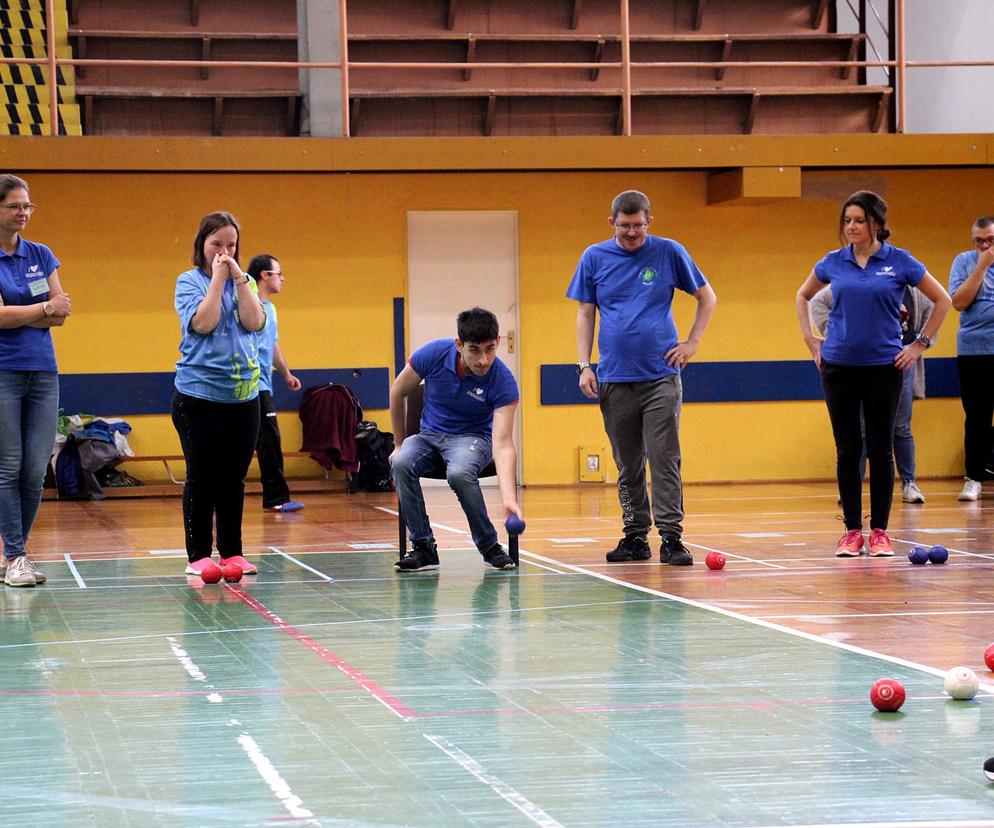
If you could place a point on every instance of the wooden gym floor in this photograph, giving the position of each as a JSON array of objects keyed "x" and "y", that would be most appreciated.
[{"x": 328, "y": 690}]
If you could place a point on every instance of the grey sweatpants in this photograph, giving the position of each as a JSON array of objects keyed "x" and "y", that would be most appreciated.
[{"x": 642, "y": 421}]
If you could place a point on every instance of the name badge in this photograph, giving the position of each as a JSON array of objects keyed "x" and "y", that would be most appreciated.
[{"x": 38, "y": 287}]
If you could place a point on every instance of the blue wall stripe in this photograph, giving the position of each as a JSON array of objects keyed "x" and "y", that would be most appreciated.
[
  {"x": 151, "y": 393},
  {"x": 399, "y": 345},
  {"x": 744, "y": 381}
]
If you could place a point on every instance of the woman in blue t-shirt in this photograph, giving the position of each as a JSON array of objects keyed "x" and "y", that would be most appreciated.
[
  {"x": 215, "y": 406},
  {"x": 862, "y": 357},
  {"x": 31, "y": 303}
]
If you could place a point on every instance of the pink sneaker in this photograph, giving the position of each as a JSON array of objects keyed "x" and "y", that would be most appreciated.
[
  {"x": 197, "y": 566},
  {"x": 849, "y": 544},
  {"x": 880, "y": 544},
  {"x": 247, "y": 568}
]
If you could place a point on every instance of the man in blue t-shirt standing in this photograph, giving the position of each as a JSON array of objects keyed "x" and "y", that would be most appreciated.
[
  {"x": 470, "y": 397},
  {"x": 268, "y": 275},
  {"x": 630, "y": 281},
  {"x": 971, "y": 286}
]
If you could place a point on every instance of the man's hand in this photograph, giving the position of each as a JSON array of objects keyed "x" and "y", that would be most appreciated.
[
  {"x": 680, "y": 354},
  {"x": 292, "y": 382},
  {"x": 588, "y": 383}
]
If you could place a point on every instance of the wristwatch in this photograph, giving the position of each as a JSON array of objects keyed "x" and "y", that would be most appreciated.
[
  {"x": 581, "y": 365},
  {"x": 47, "y": 309},
  {"x": 924, "y": 341}
]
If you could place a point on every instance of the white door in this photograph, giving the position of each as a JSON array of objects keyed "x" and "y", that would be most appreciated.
[{"x": 458, "y": 260}]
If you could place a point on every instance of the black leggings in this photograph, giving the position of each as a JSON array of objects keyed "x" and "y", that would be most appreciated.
[
  {"x": 877, "y": 389},
  {"x": 218, "y": 440}
]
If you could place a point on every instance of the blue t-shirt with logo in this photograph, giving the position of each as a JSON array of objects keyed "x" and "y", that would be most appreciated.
[
  {"x": 222, "y": 365},
  {"x": 976, "y": 323},
  {"x": 24, "y": 281},
  {"x": 267, "y": 346},
  {"x": 460, "y": 406},
  {"x": 633, "y": 292},
  {"x": 864, "y": 325}
]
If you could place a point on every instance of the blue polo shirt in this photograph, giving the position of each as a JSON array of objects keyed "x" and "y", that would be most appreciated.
[
  {"x": 633, "y": 293},
  {"x": 976, "y": 323},
  {"x": 864, "y": 325},
  {"x": 460, "y": 406},
  {"x": 267, "y": 338},
  {"x": 24, "y": 281},
  {"x": 222, "y": 365}
]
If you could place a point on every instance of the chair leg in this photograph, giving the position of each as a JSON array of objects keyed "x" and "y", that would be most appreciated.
[
  {"x": 401, "y": 532},
  {"x": 512, "y": 548}
]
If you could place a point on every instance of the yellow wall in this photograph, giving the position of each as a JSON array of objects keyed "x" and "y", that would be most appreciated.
[{"x": 123, "y": 236}]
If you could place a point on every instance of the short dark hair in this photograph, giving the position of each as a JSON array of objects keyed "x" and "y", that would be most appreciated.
[
  {"x": 875, "y": 209},
  {"x": 477, "y": 325},
  {"x": 258, "y": 264},
  {"x": 630, "y": 202},
  {"x": 10, "y": 182},
  {"x": 211, "y": 223},
  {"x": 983, "y": 221}
]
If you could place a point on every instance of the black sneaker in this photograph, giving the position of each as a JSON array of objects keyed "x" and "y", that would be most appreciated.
[
  {"x": 497, "y": 558},
  {"x": 424, "y": 556},
  {"x": 673, "y": 552},
  {"x": 630, "y": 548}
]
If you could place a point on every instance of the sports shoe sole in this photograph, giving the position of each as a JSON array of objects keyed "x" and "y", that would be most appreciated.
[
  {"x": 848, "y": 553},
  {"x": 419, "y": 569},
  {"x": 881, "y": 553}
]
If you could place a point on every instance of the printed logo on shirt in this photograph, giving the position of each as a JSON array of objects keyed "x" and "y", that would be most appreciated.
[
  {"x": 887, "y": 270},
  {"x": 647, "y": 275},
  {"x": 476, "y": 394}
]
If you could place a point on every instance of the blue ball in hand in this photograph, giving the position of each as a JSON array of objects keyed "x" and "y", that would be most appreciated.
[
  {"x": 938, "y": 554},
  {"x": 514, "y": 525},
  {"x": 918, "y": 555}
]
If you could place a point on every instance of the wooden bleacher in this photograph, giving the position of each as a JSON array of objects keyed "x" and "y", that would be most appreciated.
[
  {"x": 162, "y": 100},
  {"x": 587, "y": 100}
]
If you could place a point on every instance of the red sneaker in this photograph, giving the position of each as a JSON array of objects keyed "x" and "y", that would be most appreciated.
[
  {"x": 880, "y": 544},
  {"x": 238, "y": 560},
  {"x": 849, "y": 544},
  {"x": 198, "y": 565}
]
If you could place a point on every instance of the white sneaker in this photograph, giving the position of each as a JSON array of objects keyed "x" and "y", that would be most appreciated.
[
  {"x": 911, "y": 493},
  {"x": 971, "y": 489}
]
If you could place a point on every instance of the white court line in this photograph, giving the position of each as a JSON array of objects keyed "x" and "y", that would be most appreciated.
[
  {"x": 432, "y": 524},
  {"x": 292, "y": 803},
  {"x": 495, "y": 783},
  {"x": 852, "y": 648},
  {"x": 302, "y": 565},
  {"x": 908, "y": 614},
  {"x": 733, "y": 555},
  {"x": 74, "y": 571},
  {"x": 944, "y": 823}
]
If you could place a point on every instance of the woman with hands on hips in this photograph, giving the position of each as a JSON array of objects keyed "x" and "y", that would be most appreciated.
[
  {"x": 215, "y": 406},
  {"x": 31, "y": 303},
  {"x": 861, "y": 358}
]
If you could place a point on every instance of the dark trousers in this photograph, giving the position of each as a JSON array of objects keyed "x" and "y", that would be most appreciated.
[
  {"x": 877, "y": 389},
  {"x": 269, "y": 449},
  {"x": 976, "y": 388},
  {"x": 218, "y": 440}
]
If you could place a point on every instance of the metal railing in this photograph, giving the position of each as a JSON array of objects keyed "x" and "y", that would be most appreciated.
[{"x": 898, "y": 79}]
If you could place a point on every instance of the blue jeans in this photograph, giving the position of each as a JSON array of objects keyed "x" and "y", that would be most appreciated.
[
  {"x": 29, "y": 412},
  {"x": 904, "y": 441},
  {"x": 460, "y": 457}
]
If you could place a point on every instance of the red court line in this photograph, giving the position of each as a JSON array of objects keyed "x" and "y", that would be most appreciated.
[{"x": 387, "y": 699}]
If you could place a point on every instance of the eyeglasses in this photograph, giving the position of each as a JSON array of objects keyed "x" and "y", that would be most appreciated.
[
  {"x": 274, "y": 272},
  {"x": 17, "y": 208},
  {"x": 984, "y": 242},
  {"x": 627, "y": 228}
]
